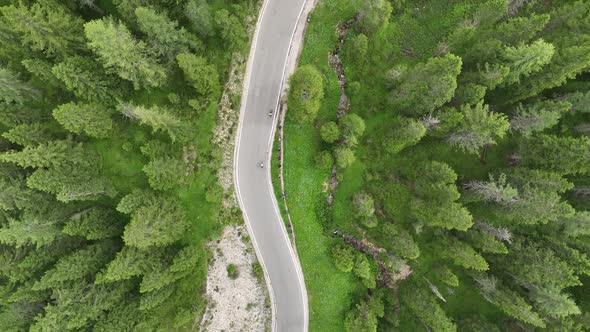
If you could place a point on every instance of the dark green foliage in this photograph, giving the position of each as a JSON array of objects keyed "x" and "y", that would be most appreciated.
[
  {"x": 157, "y": 221},
  {"x": 69, "y": 261},
  {"x": 86, "y": 79},
  {"x": 45, "y": 26},
  {"x": 231, "y": 30},
  {"x": 423, "y": 304},
  {"x": 426, "y": 86}
]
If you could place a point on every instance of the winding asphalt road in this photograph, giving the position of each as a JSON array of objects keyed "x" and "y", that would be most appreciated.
[{"x": 255, "y": 193}]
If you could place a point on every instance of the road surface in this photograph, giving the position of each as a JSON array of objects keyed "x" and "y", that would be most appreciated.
[{"x": 254, "y": 189}]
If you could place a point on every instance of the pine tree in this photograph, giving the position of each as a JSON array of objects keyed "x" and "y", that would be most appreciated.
[
  {"x": 123, "y": 54},
  {"x": 86, "y": 80},
  {"x": 46, "y": 27},
  {"x": 507, "y": 300},
  {"x": 164, "y": 35},
  {"x": 159, "y": 119},
  {"x": 12, "y": 89},
  {"x": 463, "y": 254},
  {"x": 553, "y": 303},
  {"x": 77, "y": 265},
  {"x": 479, "y": 127},
  {"x": 423, "y": 305},
  {"x": 494, "y": 190},
  {"x": 563, "y": 155},
  {"x": 91, "y": 119},
  {"x": 164, "y": 173},
  {"x": 29, "y": 134},
  {"x": 231, "y": 30},
  {"x": 78, "y": 304},
  {"x": 537, "y": 117},
  {"x": 374, "y": 15},
  {"x": 94, "y": 224},
  {"x": 199, "y": 16},
  {"x": 518, "y": 30},
  {"x": 427, "y": 86},
  {"x": 202, "y": 75},
  {"x": 159, "y": 223}
]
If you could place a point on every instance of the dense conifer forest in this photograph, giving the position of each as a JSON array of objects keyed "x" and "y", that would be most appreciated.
[
  {"x": 437, "y": 165},
  {"x": 108, "y": 188}
]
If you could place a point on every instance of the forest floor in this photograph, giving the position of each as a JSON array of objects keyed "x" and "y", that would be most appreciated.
[{"x": 240, "y": 303}]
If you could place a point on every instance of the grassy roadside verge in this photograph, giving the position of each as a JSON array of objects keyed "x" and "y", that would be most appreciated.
[{"x": 330, "y": 291}]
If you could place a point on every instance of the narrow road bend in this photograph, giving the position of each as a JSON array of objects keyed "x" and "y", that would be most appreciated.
[{"x": 263, "y": 85}]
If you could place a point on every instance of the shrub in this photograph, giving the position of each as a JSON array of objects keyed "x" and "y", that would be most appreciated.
[
  {"x": 330, "y": 132},
  {"x": 232, "y": 271},
  {"x": 305, "y": 94},
  {"x": 344, "y": 157}
]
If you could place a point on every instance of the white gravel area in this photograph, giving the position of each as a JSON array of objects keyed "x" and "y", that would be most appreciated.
[{"x": 239, "y": 304}]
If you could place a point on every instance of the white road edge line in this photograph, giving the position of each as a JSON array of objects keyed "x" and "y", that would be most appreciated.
[{"x": 269, "y": 179}]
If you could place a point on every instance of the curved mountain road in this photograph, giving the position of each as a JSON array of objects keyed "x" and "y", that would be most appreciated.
[{"x": 263, "y": 84}]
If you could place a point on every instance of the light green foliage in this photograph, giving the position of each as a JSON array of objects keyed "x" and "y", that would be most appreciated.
[
  {"x": 201, "y": 74},
  {"x": 123, "y": 54},
  {"x": 91, "y": 119},
  {"x": 164, "y": 173},
  {"x": 359, "y": 46},
  {"x": 577, "y": 225},
  {"x": 231, "y": 30},
  {"x": 29, "y": 134},
  {"x": 471, "y": 94},
  {"x": 363, "y": 269},
  {"x": 158, "y": 118},
  {"x": 86, "y": 79},
  {"x": 344, "y": 157},
  {"x": 518, "y": 30},
  {"x": 352, "y": 126},
  {"x": 427, "y": 85},
  {"x": 306, "y": 92},
  {"x": 447, "y": 276},
  {"x": 12, "y": 89},
  {"x": 373, "y": 15},
  {"x": 564, "y": 155},
  {"x": 537, "y": 117},
  {"x": 553, "y": 303},
  {"x": 485, "y": 242},
  {"x": 343, "y": 257},
  {"x": 478, "y": 128},
  {"x": 409, "y": 132},
  {"x": 324, "y": 160},
  {"x": 580, "y": 101},
  {"x": 495, "y": 190},
  {"x": 45, "y": 26},
  {"x": 526, "y": 59},
  {"x": 330, "y": 132},
  {"x": 50, "y": 154},
  {"x": 363, "y": 318},
  {"x": 462, "y": 254},
  {"x": 363, "y": 205}
]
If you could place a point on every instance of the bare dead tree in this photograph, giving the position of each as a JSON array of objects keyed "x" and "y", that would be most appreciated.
[
  {"x": 500, "y": 233},
  {"x": 430, "y": 121}
]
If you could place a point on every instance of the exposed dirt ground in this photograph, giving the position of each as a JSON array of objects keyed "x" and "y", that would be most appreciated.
[{"x": 239, "y": 304}]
